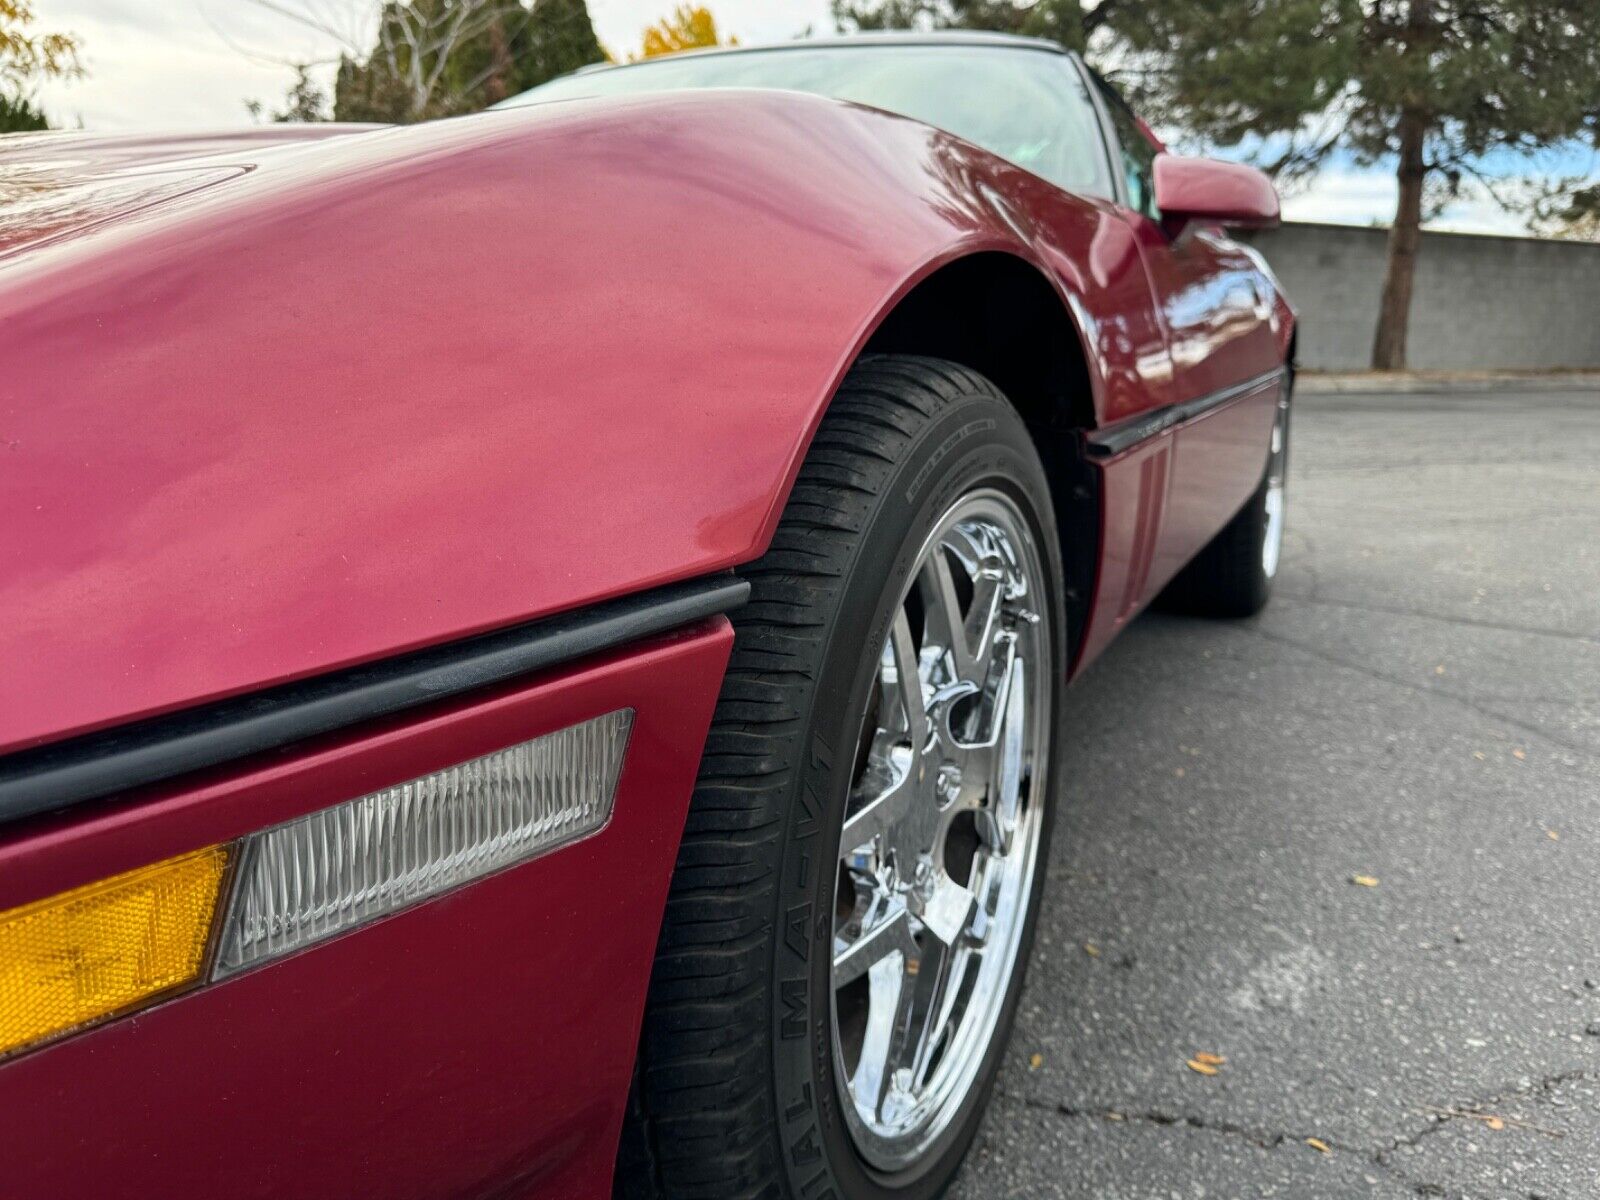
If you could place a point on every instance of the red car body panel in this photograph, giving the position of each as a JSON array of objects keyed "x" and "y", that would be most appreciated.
[
  {"x": 274, "y": 405},
  {"x": 59, "y": 184},
  {"x": 478, "y": 1044},
  {"x": 1165, "y": 498},
  {"x": 248, "y": 430}
]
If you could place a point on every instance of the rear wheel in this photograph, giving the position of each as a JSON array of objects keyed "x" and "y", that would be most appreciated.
[
  {"x": 1233, "y": 575},
  {"x": 863, "y": 861}
]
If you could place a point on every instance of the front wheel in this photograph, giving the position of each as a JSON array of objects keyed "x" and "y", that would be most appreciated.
[{"x": 861, "y": 871}]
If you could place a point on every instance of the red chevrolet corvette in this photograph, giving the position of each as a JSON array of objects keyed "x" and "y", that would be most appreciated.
[{"x": 532, "y": 644}]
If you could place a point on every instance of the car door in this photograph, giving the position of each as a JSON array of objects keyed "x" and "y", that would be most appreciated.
[{"x": 1216, "y": 309}]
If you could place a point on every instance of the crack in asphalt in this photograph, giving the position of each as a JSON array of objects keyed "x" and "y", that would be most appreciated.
[
  {"x": 1264, "y": 1139},
  {"x": 1439, "y": 618},
  {"x": 1439, "y": 1122},
  {"x": 1480, "y": 1106},
  {"x": 1160, "y": 1118},
  {"x": 1433, "y": 693}
]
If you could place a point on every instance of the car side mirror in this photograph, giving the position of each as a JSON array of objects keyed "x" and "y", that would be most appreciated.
[{"x": 1206, "y": 191}]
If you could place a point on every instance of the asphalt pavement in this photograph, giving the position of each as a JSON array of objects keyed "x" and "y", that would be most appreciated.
[{"x": 1351, "y": 846}]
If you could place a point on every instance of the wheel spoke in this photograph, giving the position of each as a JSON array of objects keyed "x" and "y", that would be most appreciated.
[
  {"x": 892, "y": 984},
  {"x": 1000, "y": 708},
  {"x": 947, "y": 914},
  {"x": 890, "y": 935},
  {"x": 982, "y": 620},
  {"x": 944, "y": 996},
  {"x": 891, "y": 761},
  {"x": 967, "y": 633},
  {"x": 997, "y": 820},
  {"x": 877, "y": 815},
  {"x": 907, "y": 682},
  {"x": 944, "y": 609}
]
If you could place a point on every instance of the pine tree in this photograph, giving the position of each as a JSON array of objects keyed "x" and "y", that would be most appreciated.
[
  {"x": 1431, "y": 86},
  {"x": 561, "y": 39},
  {"x": 1063, "y": 21}
]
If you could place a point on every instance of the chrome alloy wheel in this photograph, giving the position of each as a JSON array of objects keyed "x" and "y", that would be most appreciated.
[
  {"x": 1277, "y": 470},
  {"x": 940, "y": 845}
]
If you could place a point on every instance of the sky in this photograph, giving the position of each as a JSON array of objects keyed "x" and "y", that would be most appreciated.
[{"x": 167, "y": 64}]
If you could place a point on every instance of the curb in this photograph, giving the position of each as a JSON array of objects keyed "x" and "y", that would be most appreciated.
[{"x": 1309, "y": 384}]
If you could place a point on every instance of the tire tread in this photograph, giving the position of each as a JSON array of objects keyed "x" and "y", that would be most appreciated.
[{"x": 701, "y": 1117}]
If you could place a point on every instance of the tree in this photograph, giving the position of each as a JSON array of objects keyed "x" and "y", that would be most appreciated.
[
  {"x": 1064, "y": 21},
  {"x": 1430, "y": 85},
  {"x": 433, "y": 58},
  {"x": 26, "y": 58},
  {"x": 413, "y": 60},
  {"x": 688, "y": 28},
  {"x": 400, "y": 60},
  {"x": 305, "y": 101},
  {"x": 18, "y": 115},
  {"x": 1579, "y": 217},
  {"x": 561, "y": 39}
]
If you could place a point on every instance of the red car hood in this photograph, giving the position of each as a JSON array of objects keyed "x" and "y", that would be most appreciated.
[
  {"x": 303, "y": 406},
  {"x": 55, "y": 184}
]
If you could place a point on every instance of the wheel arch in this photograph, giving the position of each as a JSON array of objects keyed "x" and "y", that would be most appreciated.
[{"x": 1000, "y": 315}]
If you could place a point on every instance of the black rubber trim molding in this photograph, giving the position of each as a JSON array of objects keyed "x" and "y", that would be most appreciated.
[
  {"x": 61, "y": 773},
  {"x": 1124, "y": 435}
]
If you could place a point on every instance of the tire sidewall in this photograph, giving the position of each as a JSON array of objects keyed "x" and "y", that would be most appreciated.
[{"x": 976, "y": 441}]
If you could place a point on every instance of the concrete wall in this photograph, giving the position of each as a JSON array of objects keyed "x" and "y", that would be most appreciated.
[{"x": 1480, "y": 303}]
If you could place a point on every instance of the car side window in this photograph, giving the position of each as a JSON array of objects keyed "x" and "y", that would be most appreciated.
[{"x": 1138, "y": 156}]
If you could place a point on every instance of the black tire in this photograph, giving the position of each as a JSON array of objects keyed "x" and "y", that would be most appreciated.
[
  {"x": 1229, "y": 578},
  {"x": 735, "y": 1094}
]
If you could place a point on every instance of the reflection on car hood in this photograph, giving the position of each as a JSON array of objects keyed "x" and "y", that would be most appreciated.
[{"x": 56, "y": 184}]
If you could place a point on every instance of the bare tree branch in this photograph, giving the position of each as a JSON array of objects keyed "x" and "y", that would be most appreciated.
[{"x": 411, "y": 44}]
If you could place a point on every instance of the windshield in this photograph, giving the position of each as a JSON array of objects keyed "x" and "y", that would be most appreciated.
[{"x": 1028, "y": 106}]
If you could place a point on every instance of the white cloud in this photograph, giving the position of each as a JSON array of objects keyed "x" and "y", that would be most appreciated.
[
  {"x": 1346, "y": 196},
  {"x": 1342, "y": 198}
]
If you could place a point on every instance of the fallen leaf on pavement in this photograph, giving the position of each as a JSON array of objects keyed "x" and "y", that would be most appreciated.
[
  {"x": 1496, "y": 1123},
  {"x": 1211, "y": 1060},
  {"x": 1519, "y": 754},
  {"x": 1320, "y": 1146},
  {"x": 1552, "y": 835},
  {"x": 1195, "y": 1065},
  {"x": 1035, "y": 1062},
  {"x": 1091, "y": 950},
  {"x": 1365, "y": 880}
]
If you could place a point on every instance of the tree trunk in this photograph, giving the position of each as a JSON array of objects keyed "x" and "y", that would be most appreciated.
[{"x": 1394, "y": 313}]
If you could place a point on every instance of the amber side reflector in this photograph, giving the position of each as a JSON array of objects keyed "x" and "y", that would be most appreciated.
[{"x": 107, "y": 947}]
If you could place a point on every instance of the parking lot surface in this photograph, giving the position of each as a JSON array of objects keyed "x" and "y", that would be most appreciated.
[{"x": 1351, "y": 846}]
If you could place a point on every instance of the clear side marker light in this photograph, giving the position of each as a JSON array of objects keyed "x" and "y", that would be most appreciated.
[{"x": 334, "y": 870}]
